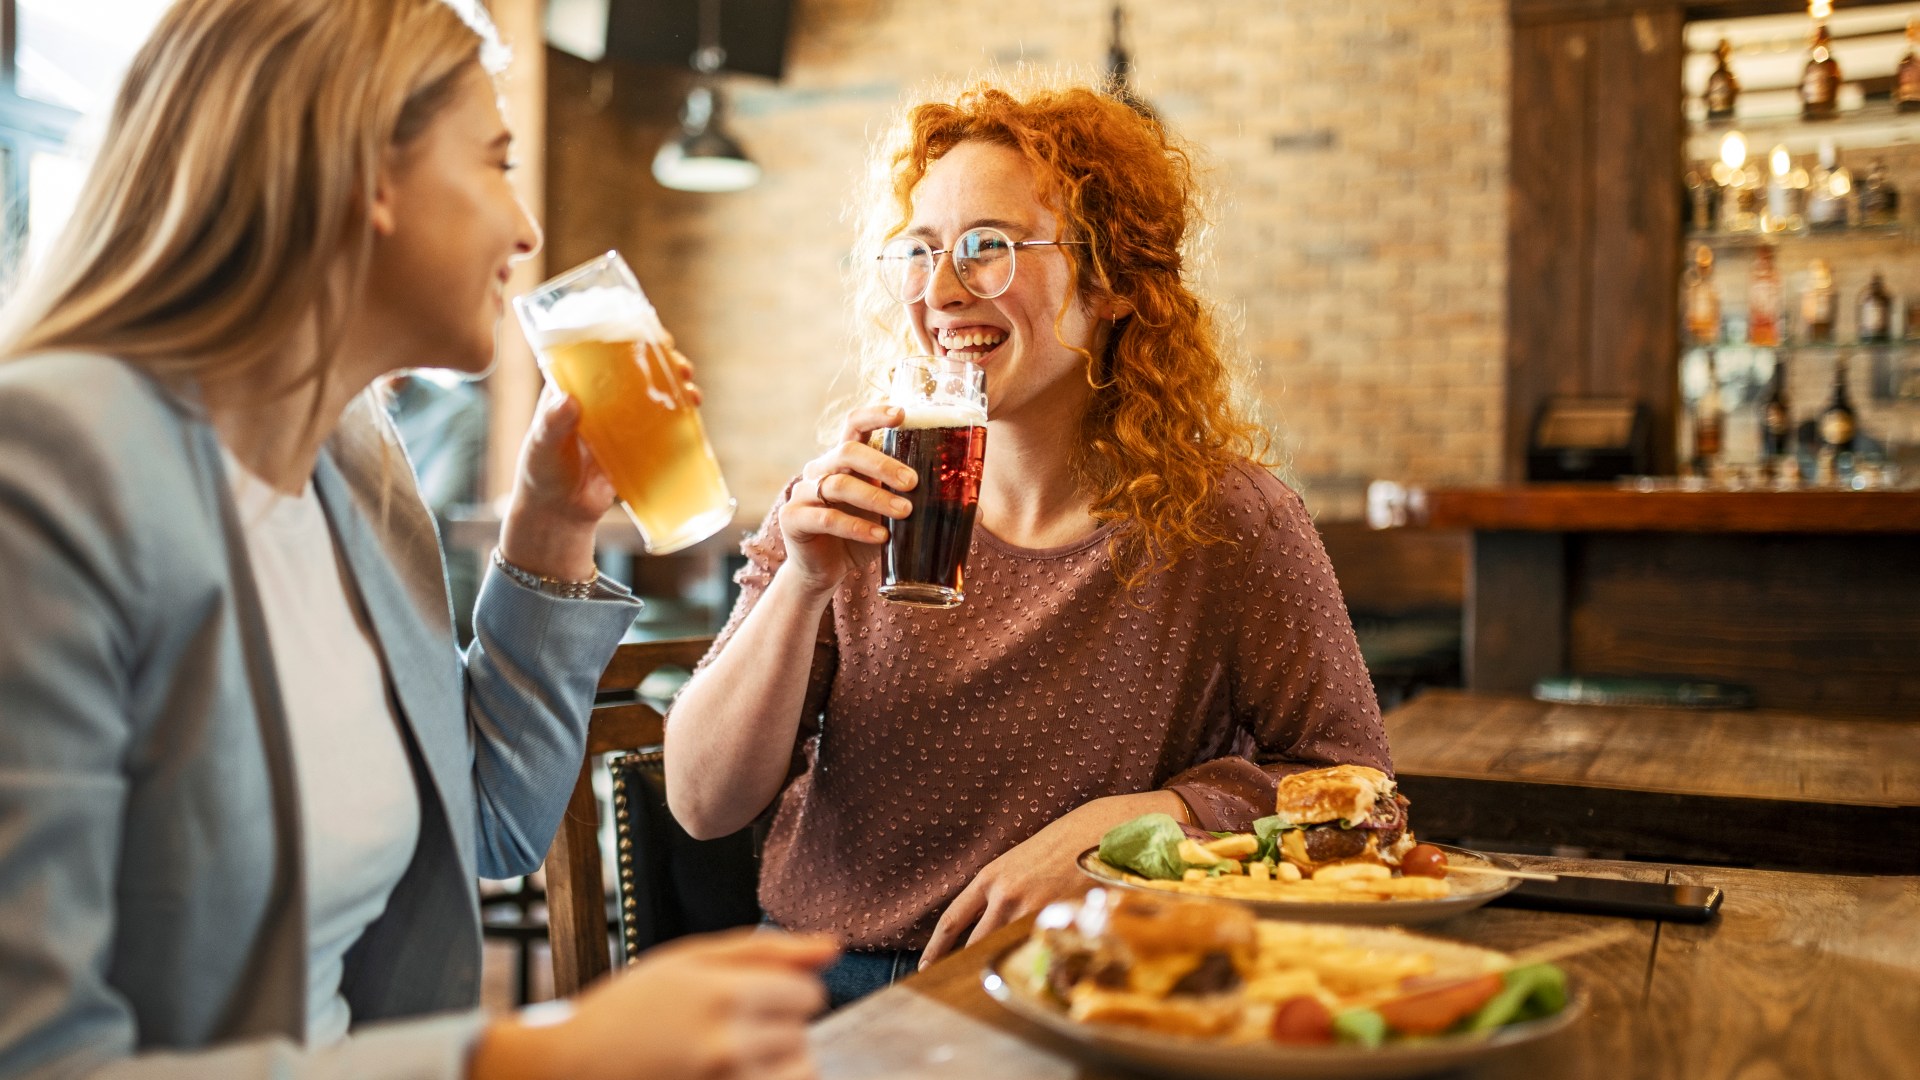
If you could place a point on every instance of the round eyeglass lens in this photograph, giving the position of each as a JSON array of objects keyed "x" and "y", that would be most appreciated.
[
  {"x": 984, "y": 258},
  {"x": 906, "y": 265}
]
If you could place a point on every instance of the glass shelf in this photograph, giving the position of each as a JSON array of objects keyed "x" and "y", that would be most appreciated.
[
  {"x": 1891, "y": 375},
  {"x": 1735, "y": 241},
  {"x": 1899, "y": 345},
  {"x": 1874, "y": 123}
]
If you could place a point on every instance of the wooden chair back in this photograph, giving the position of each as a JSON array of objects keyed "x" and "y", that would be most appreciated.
[{"x": 576, "y": 895}]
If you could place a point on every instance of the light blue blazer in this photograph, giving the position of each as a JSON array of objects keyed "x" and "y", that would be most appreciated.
[{"x": 151, "y": 915}]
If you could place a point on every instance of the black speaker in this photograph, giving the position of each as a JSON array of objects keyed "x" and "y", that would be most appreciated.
[{"x": 667, "y": 32}]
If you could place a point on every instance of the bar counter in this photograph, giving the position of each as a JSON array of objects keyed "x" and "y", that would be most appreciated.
[
  {"x": 1811, "y": 598},
  {"x": 1596, "y": 508}
]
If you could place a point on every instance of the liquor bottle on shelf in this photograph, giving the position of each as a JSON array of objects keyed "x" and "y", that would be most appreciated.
[
  {"x": 1817, "y": 304},
  {"x": 1703, "y": 201},
  {"x": 1776, "y": 423},
  {"x": 1876, "y": 311},
  {"x": 1703, "y": 299},
  {"x": 1906, "y": 78},
  {"x": 1735, "y": 177},
  {"x": 1820, "y": 82},
  {"x": 1838, "y": 424},
  {"x": 1753, "y": 196},
  {"x": 1879, "y": 200},
  {"x": 1763, "y": 300},
  {"x": 1786, "y": 194},
  {"x": 1830, "y": 193},
  {"x": 1722, "y": 88},
  {"x": 1709, "y": 423}
]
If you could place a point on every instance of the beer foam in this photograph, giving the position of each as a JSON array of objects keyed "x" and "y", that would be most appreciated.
[
  {"x": 943, "y": 414},
  {"x": 598, "y": 314}
]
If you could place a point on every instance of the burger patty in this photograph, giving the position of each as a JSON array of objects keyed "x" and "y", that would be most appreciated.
[
  {"x": 1215, "y": 975},
  {"x": 1332, "y": 842}
]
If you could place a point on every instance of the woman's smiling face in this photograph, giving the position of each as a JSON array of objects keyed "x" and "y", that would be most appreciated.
[{"x": 1032, "y": 369}]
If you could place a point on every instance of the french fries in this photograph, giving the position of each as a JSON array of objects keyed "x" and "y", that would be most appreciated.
[
  {"x": 1237, "y": 846},
  {"x": 1285, "y": 884},
  {"x": 1353, "y": 872}
]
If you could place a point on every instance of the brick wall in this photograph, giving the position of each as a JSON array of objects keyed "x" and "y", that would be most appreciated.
[{"x": 1358, "y": 152}]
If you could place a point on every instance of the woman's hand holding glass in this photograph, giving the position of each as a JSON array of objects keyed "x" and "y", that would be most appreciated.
[
  {"x": 832, "y": 521},
  {"x": 560, "y": 492}
]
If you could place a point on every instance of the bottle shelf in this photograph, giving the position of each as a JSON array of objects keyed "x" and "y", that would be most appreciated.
[
  {"x": 1735, "y": 241},
  {"x": 1874, "y": 123},
  {"x": 1901, "y": 345},
  {"x": 1891, "y": 375}
]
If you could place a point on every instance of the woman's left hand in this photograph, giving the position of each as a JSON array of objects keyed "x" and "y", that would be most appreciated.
[
  {"x": 1039, "y": 870},
  {"x": 560, "y": 492}
]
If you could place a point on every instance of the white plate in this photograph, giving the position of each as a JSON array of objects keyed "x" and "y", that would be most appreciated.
[
  {"x": 1469, "y": 892},
  {"x": 1203, "y": 1059}
]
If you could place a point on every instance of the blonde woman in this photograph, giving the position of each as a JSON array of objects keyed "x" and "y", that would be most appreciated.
[
  {"x": 246, "y": 782},
  {"x": 1151, "y": 624}
]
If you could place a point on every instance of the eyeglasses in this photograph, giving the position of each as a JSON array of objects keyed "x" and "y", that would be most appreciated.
[{"x": 983, "y": 258}]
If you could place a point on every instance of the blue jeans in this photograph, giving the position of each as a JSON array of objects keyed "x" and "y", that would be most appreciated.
[{"x": 857, "y": 974}]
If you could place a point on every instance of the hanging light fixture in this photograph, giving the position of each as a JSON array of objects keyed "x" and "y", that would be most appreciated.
[
  {"x": 703, "y": 157},
  {"x": 1120, "y": 66}
]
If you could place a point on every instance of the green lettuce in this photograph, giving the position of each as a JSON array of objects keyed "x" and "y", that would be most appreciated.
[
  {"x": 1363, "y": 1027},
  {"x": 1531, "y": 991},
  {"x": 1268, "y": 830},
  {"x": 1148, "y": 845}
]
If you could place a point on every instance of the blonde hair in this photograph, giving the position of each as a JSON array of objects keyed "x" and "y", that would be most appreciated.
[
  {"x": 226, "y": 214},
  {"x": 1168, "y": 417}
]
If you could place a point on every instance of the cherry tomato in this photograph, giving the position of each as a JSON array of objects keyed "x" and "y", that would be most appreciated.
[
  {"x": 1424, "y": 860},
  {"x": 1430, "y": 1012},
  {"x": 1302, "y": 1020}
]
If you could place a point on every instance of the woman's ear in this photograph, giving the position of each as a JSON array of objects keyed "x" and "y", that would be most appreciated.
[
  {"x": 1116, "y": 309},
  {"x": 381, "y": 215}
]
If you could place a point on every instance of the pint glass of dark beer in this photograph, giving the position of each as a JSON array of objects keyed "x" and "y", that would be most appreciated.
[{"x": 943, "y": 439}]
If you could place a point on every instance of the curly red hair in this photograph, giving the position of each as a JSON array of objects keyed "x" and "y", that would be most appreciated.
[{"x": 1164, "y": 424}]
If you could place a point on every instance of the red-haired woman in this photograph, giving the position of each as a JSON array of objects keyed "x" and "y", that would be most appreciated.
[{"x": 1151, "y": 623}]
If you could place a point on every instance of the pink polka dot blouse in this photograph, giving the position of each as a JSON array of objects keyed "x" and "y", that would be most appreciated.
[{"x": 933, "y": 741}]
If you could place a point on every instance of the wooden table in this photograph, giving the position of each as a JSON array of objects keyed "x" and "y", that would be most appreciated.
[
  {"x": 1802, "y": 977},
  {"x": 1760, "y": 786}
]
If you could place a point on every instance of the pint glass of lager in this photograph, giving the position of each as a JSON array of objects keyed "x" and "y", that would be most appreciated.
[
  {"x": 599, "y": 340},
  {"x": 943, "y": 440}
]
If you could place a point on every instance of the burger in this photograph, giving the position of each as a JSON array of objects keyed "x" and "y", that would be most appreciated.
[
  {"x": 1152, "y": 962},
  {"x": 1343, "y": 814}
]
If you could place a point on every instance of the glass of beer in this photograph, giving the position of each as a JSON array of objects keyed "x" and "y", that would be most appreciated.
[
  {"x": 599, "y": 340},
  {"x": 943, "y": 439}
]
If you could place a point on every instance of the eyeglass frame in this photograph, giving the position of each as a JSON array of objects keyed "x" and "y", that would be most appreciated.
[{"x": 934, "y": 254}]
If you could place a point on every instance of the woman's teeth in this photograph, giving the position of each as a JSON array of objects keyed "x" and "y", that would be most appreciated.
[{"x": 976, "y": 342}]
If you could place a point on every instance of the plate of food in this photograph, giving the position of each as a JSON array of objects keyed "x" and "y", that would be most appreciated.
[
  {"x": 1338, "y": 848},
  {"x": 1191, "y": 988}
]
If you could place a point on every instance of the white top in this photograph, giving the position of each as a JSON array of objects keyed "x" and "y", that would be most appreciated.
[{"x": 359, "y": 802}]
